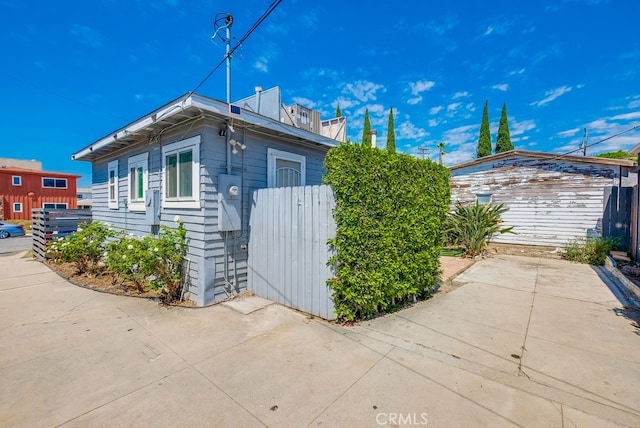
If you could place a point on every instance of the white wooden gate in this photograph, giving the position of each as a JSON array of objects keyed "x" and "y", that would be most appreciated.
[{"x": 288, "y": 252}]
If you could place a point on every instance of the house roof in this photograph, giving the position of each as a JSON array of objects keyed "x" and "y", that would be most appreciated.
[
  {"x": 187, "y": 108},
  {"x": 542, "y": 157},
  {"x": 17, "y": 170}
]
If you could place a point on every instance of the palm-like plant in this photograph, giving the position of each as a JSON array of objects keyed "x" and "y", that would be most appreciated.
[{"x": 472, "y": 226}]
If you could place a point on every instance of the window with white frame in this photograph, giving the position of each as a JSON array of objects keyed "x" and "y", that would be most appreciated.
[
  {"x": 56, "y": 183},
  {"x": 484, "y": 198},
  {"x": 17, "y": 207},
  {"x": 54, "y": 206},
  {"x": 285, "y": 169},
  {"x": 138, "y": 181},
  {"x": 181, "y": 173},
  {"x": 112, "y": 184},
  {"x": 16, "y": 180}
]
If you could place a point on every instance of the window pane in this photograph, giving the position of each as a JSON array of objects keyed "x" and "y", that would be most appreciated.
[
  {"x": 186, "y": 174},
  {"x": 48, "y": 206},
  {"x": 140, "y": 184},
  {"x": 112, "y": 185},
  {"x": 288, "y": 173},
  {"x": 132, "y": 181},
  {"x": 61, "y": 206},
  {"x": 172, "y": 176},
  {"x": 48, "y": 182},
  {"x": 61, "y": 182}
]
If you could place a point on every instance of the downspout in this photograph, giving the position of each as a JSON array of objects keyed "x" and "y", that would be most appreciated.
[{"x": 228, "y": 149}]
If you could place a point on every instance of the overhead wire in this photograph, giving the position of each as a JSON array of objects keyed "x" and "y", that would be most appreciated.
[{"x": 256, "y": 24}]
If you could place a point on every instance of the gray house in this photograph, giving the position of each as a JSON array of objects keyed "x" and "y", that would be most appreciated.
[
  {"x": 200, "y": 159},
  {"x": 552, "y": 199}
]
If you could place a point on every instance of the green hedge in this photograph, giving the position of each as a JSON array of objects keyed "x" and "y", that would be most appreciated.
[{"x": 390, "y": 211}]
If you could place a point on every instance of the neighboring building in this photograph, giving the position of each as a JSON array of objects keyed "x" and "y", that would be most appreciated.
[
  {"x": 552, "y": 199},
  {"x": 22, "y": 190},
  {"x": 200, "y": 159},
  {"x": 84, "y": 198}
]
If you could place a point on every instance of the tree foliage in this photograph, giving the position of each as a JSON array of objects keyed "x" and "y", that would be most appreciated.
[
  {"x": 338, "y": 111},
  {"x": 503, "y": 143},
  {"x": 484, "y": 141},
  {"x": 366, "y": 132},
  {"x": 620, "y": 154},
  {"x": 391, "y": 133},
  {"x": 390, "y": 212}
]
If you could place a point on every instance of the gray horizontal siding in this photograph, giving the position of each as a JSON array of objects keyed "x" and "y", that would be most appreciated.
[{"x": 207, "y": 246}]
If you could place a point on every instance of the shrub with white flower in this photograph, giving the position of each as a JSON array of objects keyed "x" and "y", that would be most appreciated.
[{"x": 84, "y": 247}]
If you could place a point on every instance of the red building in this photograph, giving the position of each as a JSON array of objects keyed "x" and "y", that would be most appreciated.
[{"x": 22, "y": 190}]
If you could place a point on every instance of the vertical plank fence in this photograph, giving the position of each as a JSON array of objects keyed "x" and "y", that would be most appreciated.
[
  {"x": 50, "y": 224},
  {"x": 288, "y": 252},
  {"x": 616, "y": 219}
]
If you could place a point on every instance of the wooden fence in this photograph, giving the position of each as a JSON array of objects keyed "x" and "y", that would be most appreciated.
[
  {"x": 288, "y": 251},
  {"x": 49, "y": 224}
]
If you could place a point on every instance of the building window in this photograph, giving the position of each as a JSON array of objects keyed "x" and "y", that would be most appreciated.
[
  {"x": 58, "y": 183},
  {"x": 484, "y": 198},
  {"x": 16, "y": 180},
  {"x": 181, "y": 173},
  {"x": 17, "y": 207},
  {"x": 54, "y": 206},
  {"x": 285, "y": 169},
  {"x": 138, "y": 181},
  {"x": 112, "y": 184}
]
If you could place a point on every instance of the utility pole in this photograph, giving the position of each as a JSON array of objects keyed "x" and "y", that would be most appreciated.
[
  {"x": 584, "y": 142},
  {"x": 228, "y": 22},
  {"x": 423, "y": 151},
  {"x": 440, "y": 151}
]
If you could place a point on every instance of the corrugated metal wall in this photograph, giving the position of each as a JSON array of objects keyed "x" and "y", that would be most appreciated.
[{"x": 288, "y": 251}]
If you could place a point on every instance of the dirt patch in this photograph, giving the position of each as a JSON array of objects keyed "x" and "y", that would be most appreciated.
[
  {"x": 524, "y": 250},
  {"x": 107, "y": 283}
]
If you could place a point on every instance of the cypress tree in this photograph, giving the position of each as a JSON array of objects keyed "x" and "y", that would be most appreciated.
[
  {"x": 338, "y": 111},
  {"x": 484, "y": 141},
  {"x": 366, "y": 132},
  {"x": 391, "y": 133},
  {"x": 503, "y": 143}
]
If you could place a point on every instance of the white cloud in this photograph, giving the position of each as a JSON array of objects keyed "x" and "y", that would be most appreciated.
[
  {"x": 409, "y": 131},
  {"x": 363, "y": 90},
  {"x": 519, "y": 128},
  {"x": 501, "y": 87},
  {"x": 305, "y": 102},
  {"x": 453, "y": 106},
  {"x": 627, "y": 116},
  {"x": 421, "y": 86},
  {"x": 514, "y": 72},
  {"x": 345, "y": 103},
  {"x": 461, "y": 135},
  {"x": 433, "y": 123},
  {"x": 262, "y": 64},
  {"x": 435, "y": 110},
  {"x": 552, "y": 95},
  {"x": 460, "y": 95},
  {"x": 414, "y": 100},
  {"x": 489, "y": 30},
  {"x": 569, "y": 132}
]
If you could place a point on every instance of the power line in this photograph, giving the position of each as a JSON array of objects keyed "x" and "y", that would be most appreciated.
[{"x": 260, "y": 20}]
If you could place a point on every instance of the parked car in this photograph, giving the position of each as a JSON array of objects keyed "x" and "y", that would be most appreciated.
[{"x": 9, "y": 229}]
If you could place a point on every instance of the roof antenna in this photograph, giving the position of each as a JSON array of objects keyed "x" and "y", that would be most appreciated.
[{"x": 224, "y": 21}]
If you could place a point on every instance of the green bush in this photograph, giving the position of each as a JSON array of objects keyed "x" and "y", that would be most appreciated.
[
  {"x": 390, "y": 210},
  {"x": 85, "y": 247},
  {"x": 151, "y": 263},
  {"x": 472, "y": 226},
  {"x": 593, "y": 251}
]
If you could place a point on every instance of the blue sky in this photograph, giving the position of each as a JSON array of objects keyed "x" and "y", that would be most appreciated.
[{"x": 74, "y": 71}]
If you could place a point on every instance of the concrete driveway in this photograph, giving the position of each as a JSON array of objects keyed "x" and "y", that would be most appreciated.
[{"x": 524, "y": 342}]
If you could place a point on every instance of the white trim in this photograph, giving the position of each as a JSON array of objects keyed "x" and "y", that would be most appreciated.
[
  {"x": 273, "y": 154},
  {"x": 19, "y": 183},
  {"x": 192, "y": 143},
  {"x": 112, "y": 203},
  {"x": 54, "y": 183},
  {"x": 141, "y": 160},
  {"x": 19, "y": 205}
]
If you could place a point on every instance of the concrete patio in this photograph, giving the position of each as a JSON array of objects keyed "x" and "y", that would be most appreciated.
[{"x": 522, "y": 342}]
